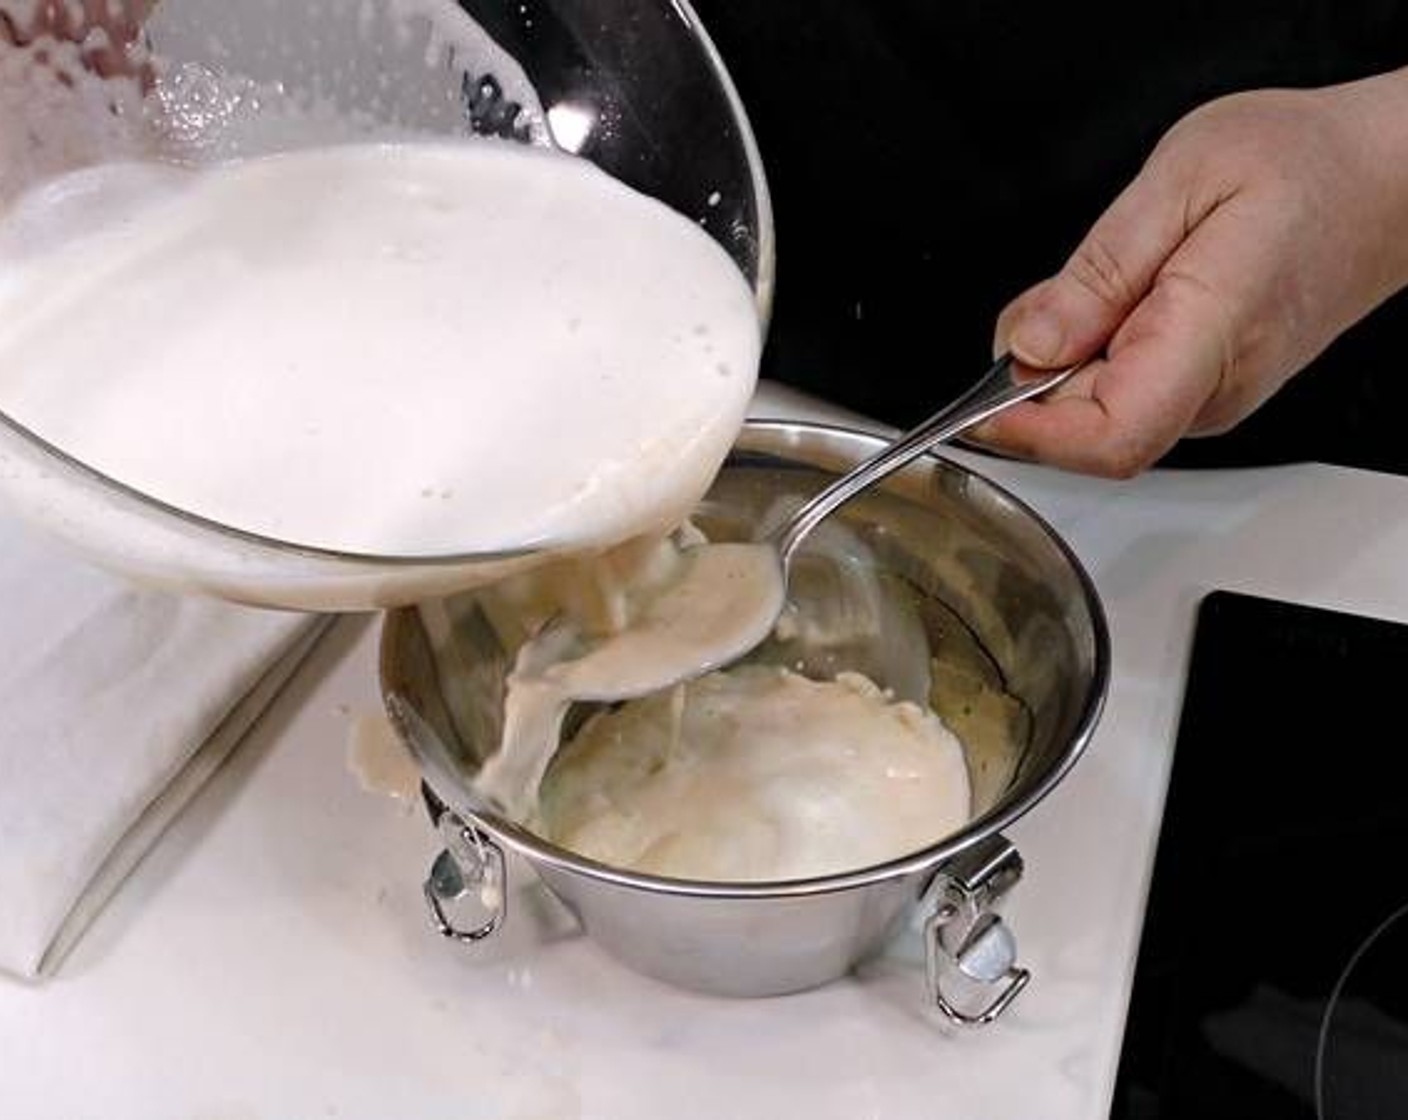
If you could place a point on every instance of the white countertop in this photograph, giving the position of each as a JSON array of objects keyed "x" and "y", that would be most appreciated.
[{"x": 271, "y": 958}]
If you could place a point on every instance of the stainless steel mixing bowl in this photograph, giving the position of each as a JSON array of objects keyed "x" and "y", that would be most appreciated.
[{"x": 1004, "y": 603}]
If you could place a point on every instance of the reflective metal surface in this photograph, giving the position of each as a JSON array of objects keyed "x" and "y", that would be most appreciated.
[
  {"x": 997, "y": 590},
  {"x": 996, "y": 390},
  {"x": 970, "y": 956}
]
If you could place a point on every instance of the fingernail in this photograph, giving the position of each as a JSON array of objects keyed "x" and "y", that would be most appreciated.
[{"x": 1036, "y": 338}]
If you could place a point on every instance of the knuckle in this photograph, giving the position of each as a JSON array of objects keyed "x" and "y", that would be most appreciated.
[
  {"x": 1127, "y": 449},
  {"x": 1215, "y": 423},
  {"x": 1234, "y": 399},
  {"x": 1096, "y": 268},
  {"x": 1124, "y": 460},
  {"x": 1188, "y": 297}
]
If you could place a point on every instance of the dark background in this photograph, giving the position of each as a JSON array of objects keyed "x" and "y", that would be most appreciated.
[{"x": 929, "y": 159}]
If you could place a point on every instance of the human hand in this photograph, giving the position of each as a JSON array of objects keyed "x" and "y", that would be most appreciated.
[
  {"x": 104, "y": 29},
  {"x": 1261, "y": 227}
]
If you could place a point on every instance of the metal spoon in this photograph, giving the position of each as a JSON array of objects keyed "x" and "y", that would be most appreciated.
[
  {"x": 848, "y": 615},
  {"x": 663, "y": 648},
  {"x": 695, "y": 629},
  {"x": 997, "y": 390}
]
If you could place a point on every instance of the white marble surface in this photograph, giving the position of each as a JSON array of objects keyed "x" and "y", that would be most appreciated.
[{"x": 271, "y": 958}]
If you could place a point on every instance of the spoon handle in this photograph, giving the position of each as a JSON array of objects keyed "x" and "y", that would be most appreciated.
[{"x": 994, "y": 391}]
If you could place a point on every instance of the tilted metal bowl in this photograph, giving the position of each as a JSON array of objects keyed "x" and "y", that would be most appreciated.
[
  {"x": 636, "y": 88},
  {"x": 1001, "y": 598}
]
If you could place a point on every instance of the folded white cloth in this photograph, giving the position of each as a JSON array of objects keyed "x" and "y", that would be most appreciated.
[{"x": 116, "y": 702}]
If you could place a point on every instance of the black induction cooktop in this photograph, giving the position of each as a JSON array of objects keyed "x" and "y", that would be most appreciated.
[{"x": 1272, "y": 976}]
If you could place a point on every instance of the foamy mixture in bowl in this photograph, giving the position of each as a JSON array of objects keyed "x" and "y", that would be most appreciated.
[
  {"x": 753, "y": 773},
  {"x": 415, "y": 349},
  {"x": 757, "y": 775}
]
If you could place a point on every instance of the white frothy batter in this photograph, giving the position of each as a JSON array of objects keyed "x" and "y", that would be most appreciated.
[
  {"x": 408, "y": 349},
  {"x": 668, "y": 615}
]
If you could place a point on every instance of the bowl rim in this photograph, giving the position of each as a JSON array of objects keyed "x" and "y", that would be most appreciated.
[
  {"x": 453, "y": 794},
  {"x": 763, "y": 286},
  {"x": 765, "y": 283}
]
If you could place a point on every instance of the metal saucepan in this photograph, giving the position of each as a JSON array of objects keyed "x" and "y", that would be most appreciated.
[{"x": 1009, "y": 614}]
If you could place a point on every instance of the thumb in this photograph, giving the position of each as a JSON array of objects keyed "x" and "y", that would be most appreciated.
[{"x": 1072, "y": 315}]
